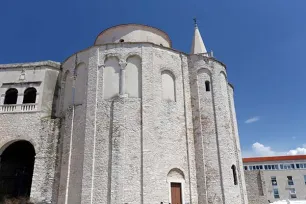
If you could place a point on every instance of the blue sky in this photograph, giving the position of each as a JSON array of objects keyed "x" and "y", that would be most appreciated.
[{"x": 261, "y": 42}]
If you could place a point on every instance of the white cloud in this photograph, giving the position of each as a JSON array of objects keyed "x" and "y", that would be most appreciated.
[
  {"x": 259, "y": 149},
  {"x": 262, "y": 150},
  {"x": 297, "y": 151},
  {"x": 252, "y": 120}
]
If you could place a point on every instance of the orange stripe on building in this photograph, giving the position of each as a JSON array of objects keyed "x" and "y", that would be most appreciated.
[{"x": 275, "y": 158}]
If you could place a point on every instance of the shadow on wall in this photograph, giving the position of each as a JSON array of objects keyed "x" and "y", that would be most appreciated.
[{"x": 55, "y": 98}]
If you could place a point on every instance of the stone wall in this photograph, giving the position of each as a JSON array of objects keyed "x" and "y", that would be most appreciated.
[
  {"x": 255, "y": 186},
  {"x": 42, "y": 133}
]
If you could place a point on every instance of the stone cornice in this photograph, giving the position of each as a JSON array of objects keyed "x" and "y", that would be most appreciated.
[
  {"x": 143, "y": 43},
  {"x": 48, "y": 63}
]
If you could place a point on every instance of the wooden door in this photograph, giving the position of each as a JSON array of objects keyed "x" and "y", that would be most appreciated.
[{"x": 176, "y": 193}]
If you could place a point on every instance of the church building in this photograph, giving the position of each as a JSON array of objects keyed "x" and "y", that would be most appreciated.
[{"x": 129, "y": 120}]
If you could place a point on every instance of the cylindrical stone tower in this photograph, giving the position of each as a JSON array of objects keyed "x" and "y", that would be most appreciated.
[
  {"x": 220, "y": 175},
  {"x": 143, "y": 123},
  {"x": 218, "y": 161}
]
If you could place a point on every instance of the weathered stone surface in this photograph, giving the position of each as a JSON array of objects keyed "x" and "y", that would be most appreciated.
[
  {"x": 256, "y": 187},
  {"x": 128, "y": 149}
]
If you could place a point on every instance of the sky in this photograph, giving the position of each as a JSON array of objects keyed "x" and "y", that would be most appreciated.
[{"x": 261, "y": 42}]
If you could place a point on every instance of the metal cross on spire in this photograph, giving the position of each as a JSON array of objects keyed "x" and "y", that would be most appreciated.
[{"x": 195, "y": 21}]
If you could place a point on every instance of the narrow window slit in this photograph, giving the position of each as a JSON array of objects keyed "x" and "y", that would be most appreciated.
[
  {"x": 234, "y": 175},
  {"x": 207, "y": 86}
]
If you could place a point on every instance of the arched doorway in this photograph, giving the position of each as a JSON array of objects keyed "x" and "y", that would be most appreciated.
[{"x": 16, "y": 170}]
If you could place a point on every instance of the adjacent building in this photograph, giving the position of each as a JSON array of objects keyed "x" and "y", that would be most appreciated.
[{"x": 276, "y": 178}]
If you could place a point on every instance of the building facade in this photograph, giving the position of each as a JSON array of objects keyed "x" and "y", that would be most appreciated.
[
  {"x": 128, "y": 120},
  {"x": 278, "y": 178}
]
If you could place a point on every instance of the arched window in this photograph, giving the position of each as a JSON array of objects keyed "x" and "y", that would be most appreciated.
[
  {"x": 168, "y": 86},
  {"x": 234, "y": 175},
  {"x": 133, "y": 77},
  {"x": 207, "y": 85},
  {"x": 11, "y": 96},
  {"x": 29, "y": 95},
  {"x": 111, "y": 77},
  {"x": 80, "y": 83}
]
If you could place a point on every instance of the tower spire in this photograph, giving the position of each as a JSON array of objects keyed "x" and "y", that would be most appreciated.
[{"x": 198, "y": 46}]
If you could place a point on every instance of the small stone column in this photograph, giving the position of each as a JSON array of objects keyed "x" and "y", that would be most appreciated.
[{"x": 122, "y": 78}]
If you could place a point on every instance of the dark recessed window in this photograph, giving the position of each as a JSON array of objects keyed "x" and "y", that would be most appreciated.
[
  {"x": 292, "y": 193},
  {"x": 276, "y": 193},
  {"x": 273, "y": 180},
  {"x": 29, "y": 95},
  {"x": 234, "y": 175},
  {"x": 290, "y": 181},
  {"x": 11, "y": 96},
  {"x": 121, "y": 40},
  {"x": 207, "y": 86}
]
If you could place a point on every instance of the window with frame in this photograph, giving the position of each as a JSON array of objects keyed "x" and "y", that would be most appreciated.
[
  {"x": 273, "y": 181},
  {"x": 290, "y": 181},
  {"x": 276, "y": 193},
  {"x": 245, "y": 167},
  {"x": 288, "y": 166},
  {"x": 292, "y": 193}
]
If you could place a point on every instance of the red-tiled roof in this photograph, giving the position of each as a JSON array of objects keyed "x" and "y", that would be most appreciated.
[{"x": 276, "y": 158}]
